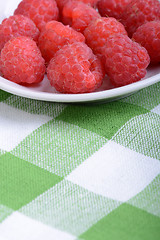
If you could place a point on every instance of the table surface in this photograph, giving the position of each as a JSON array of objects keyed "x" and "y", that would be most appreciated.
[{"x": 84, "y": 172}]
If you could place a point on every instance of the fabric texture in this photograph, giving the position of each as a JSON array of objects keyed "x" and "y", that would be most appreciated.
[{"x": 80, "y": 172}]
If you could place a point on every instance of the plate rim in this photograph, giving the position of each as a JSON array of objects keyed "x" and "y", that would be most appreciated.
[{"x": 22, "y": 91}]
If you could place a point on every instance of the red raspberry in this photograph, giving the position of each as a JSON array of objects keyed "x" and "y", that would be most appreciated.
[
  {"x": 126, "y": 61},
  {"x": 78, "y": 15},
  {"x": 40, "y": 11},
  {"x": 55, "y": 36},
  {"x": 148, "y": 35},
  {"x": 99, "y": 30},
  {"x": 139, "y": 12},
  {"x": 61, "y": 3},
  {"x": 75, "y": 69},
  {"x": 16, "y": 26},
  {"x": 112, "y": 8},
  {"x": 21, "y": 61}
]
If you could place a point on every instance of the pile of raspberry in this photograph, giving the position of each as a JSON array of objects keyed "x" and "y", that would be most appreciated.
[{"x": 77, "y": 42}]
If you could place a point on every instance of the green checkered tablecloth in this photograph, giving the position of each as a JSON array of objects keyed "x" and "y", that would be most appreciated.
[{"x": 80, "y": 172}]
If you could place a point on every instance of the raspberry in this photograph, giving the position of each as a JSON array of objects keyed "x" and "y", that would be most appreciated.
[
  {"x": 78, "y": 15},
  {"x": 112, "y": 8},
  {"x": 75, "y": 69},
  {"x": 99, "y": 30},
  {"x": 55, "y": 36},
  {"x": 126, "y": 61},
  {"x": 21, "y": 61},
  {"x": 61, "y": 3},
  {"x": 16, "y": 26},
  {"x": 139, "y": 12},
  {"x": 40, "y": 11},
  {"x": 148, "y": 35}
]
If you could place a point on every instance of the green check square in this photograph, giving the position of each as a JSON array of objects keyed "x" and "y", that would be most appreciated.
[
  {"x": 35, "y": 106},
  {"x": 149, "y": 198},
  {"x": 59, "y": 147},
  {"x": 105, "y": 119},
  {"x": 125, "y": 223},
  {"x": 141, "y": 134},
  {"x": 4, "y": 95},
  {"x": 148, "y": 97},
  {"x": 21, "y": 182},
  {"x": 69, "y": 207}
]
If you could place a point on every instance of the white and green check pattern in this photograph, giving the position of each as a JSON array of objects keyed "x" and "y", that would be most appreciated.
[{"x": 80, "y": 172}]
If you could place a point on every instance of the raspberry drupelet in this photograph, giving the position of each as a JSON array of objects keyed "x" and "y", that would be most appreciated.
[
  {"x": 21, "y": 61},
  {"x": 40, "y": 11},
  {"x": 75, "y": 69},
  {"x": 16, "y": 26},
  {"x": 126, "y": 61},
  {"x": 78, "y": 15},
  {"x": 99, "y": 30},
  {"x": 112, "y": 8},
  {"x": 138, "y": 12},
  {"x": 148, "y": 35},
  {"x": 56, "y": 35}
]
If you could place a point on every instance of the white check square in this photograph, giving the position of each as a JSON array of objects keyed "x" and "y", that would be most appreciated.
[
  {"x": 20, "y": 227},
  {"x": 156, "y": 109},
  {"x": 15, "y": 125},
  {"x": 116, "y": 172}
]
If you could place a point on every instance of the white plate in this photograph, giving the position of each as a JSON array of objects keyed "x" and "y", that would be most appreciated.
[{"x": 45, "y": 92}]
